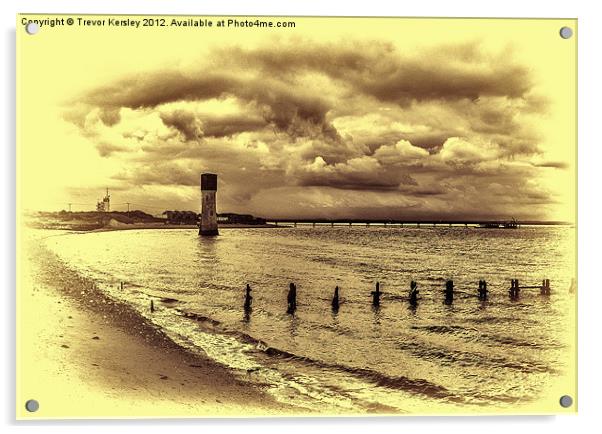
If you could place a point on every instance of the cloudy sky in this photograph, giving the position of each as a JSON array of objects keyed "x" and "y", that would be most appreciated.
[{"x": 301, "y": 127}]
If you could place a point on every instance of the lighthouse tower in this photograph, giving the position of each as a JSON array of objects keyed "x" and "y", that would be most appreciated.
[{"x": 208, "y": 208}]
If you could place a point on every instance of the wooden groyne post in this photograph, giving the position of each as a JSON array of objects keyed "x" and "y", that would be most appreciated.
[
  {"x": 483, "y": 290},
  {"x": 292, "y": 298},
  {"x": 514, "y": 290},
  {"x": 376, "y": 295},
  {"x": 449, "y": 291},
  {"x": 335, "y": 300},
  {"x": 248, "y": 298},
  {"x": 413, "y": 293}
]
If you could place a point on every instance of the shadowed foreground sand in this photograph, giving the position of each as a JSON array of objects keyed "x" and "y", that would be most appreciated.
[{"x": 89, "y": 356}]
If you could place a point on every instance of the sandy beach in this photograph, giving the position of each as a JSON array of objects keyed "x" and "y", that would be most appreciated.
[{"x": 105, "y": 359}]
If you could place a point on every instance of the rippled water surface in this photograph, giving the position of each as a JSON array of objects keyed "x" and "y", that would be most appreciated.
[{"x": 493, "y": 353}]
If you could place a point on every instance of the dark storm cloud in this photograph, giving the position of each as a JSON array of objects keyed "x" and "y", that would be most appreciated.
[
  {"x": 110, "y": 116},
  {"x": 270, "y": 77},
  {"x": 151, "y": 90},
  {"x": 409, "y": 83},
  {"x": 422, "y": 191},
  {"x": 432, "y": 140},
  {"x": 436, "y": 130},
  {"x": 380, "y": 70},
  {"x": 228, "y": 126},
  {"x": 194, "y": 127},
  {"x": 553, "y": 164},
  {"x": 375, "y": 70},
  {"x": 356, "y": 180},
  {"x": 186, "y": 123},
  {"x": 297, "y": 112}
]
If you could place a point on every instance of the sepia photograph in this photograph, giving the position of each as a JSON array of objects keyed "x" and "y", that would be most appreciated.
[{"x": 295, "y": 216}]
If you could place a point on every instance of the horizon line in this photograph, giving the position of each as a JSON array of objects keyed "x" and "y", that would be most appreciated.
[{"x": 471, "y": 220}]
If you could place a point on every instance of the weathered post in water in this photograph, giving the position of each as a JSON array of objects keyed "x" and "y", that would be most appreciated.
[
  {"x": 514, "y": 289},
  {"x": 248, "y": 298},
  {"x": 335, "y": 300},
  {"x": 545, "y": 287},
  {"x": 208, "y": 205},
  {"x": 152, "y": 307},
  {"x": 483, "y": 290},
  {"x": 292, "y": 299},
  {"x": 376, "y": 295},
  {"x": 449, "y": 291},
  {"x": 413, "y": 293}
]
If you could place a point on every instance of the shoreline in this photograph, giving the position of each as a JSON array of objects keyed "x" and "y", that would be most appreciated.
[
  {"x": 111, "y": 362},
  {"x": 115, "y": 226},
  {"x": 150, "y": 226}
]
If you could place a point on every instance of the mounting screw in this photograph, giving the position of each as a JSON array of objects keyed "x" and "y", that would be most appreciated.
[
  {"x": 32, "y": 28},
  {"x": 566, "y": 401},
  {"x": 566, "y": 32},
  {"x": 32, "y": 405}
]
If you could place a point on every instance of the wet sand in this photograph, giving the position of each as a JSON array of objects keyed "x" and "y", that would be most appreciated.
[{"x": 89, "y": 355}]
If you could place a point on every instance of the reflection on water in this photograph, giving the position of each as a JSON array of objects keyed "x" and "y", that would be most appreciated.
[{"x": 469, "y": 352}]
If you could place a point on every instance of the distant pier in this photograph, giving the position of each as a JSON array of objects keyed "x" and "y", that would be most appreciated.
[{"x": 402, "y": 223}]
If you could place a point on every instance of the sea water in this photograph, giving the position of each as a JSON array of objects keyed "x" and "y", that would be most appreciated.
[{"x": 394, "y": 358}]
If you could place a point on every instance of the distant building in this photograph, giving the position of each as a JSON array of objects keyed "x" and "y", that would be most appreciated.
[{"x": 104, "y": 205}]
